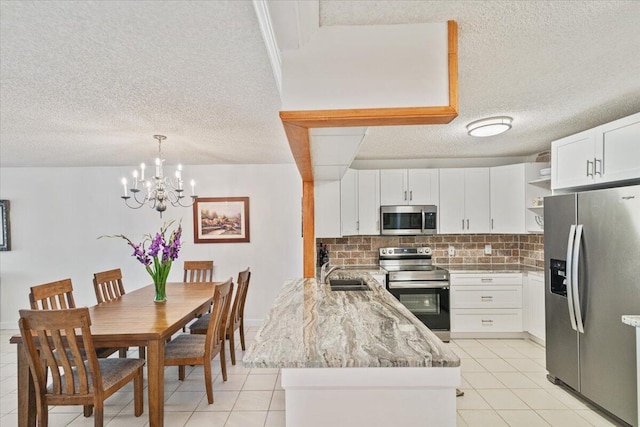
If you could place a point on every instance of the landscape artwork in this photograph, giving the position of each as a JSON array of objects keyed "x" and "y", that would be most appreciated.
[{"x": 221, "y": 220}]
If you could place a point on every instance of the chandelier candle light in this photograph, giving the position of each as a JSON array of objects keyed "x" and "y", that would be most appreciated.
[{"x": 159, "y": 189}]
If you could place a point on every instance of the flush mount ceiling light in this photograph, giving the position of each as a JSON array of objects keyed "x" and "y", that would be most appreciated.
[{"x": 490, "y": 126}]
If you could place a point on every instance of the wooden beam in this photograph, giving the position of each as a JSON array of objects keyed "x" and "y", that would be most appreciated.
[{"x": 297, "y": 124}]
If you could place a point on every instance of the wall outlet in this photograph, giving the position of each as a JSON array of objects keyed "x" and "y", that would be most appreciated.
[
  {"x": 487, "y": 249},
  {"x": 452, "y": 251}
]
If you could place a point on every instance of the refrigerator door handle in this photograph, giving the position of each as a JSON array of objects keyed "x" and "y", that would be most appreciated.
[
  {"x": 574, "y": 277},
  {"x": 569, "y": 279}
]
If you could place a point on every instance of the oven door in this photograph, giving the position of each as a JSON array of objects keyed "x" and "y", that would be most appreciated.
[{"x": 429, "y": 305}]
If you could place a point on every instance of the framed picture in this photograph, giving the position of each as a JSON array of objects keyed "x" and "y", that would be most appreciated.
[
  {"x": 221, "y": 220},
  {"x": 5, "y": 236}
]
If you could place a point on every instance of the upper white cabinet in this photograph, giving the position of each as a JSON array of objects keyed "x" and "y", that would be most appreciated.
[
  {"x": 507, "y": 199},
  {"x": 607, "y": 153},
  {"x": 408, "y": 187},
  {"x": 464, "y": 201},
  {"x": 327, "y": 208},
  {"x": 360, "y": 202}
]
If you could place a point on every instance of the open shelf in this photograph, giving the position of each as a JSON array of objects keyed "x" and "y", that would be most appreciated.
[
  {"x": 545, "y": 180},
  {"x": 535, "y": 207}
]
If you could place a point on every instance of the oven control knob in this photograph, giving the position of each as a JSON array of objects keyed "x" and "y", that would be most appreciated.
[
  {"x": 420, "y": 250},
  {"x": 390, "y": 251},
  {"x": 383, "y": 251}
]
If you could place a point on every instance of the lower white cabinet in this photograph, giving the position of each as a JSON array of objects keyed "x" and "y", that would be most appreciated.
[
  {"x": 534, "y": 317},
  {"x": 486, "y": 303}
]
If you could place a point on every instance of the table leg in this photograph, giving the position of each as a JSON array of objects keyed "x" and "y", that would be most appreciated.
[
  {"x": 26, "y": 391},
  {"x": 155, "y": 379}
]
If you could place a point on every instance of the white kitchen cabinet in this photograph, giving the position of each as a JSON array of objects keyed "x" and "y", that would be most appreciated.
[
  {"x": 533, "y": 303},
  {"x": 360, "y": 202},
  {"x": 408, "y": 187},
  {"x": 327, "y": 208},
  {"x": 604, "y": 154},
  {"x": 464, "y": 201},
  {"x": 507, "y": 199},
  {"x": 484, "y": 304}
]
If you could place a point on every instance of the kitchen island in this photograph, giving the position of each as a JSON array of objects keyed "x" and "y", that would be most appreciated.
[{"x": 355, "y": 358}]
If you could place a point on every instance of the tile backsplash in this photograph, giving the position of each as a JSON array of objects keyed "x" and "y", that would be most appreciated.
[{"x": 527, "y": 249}]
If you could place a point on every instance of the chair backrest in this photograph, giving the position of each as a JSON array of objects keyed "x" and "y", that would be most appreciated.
[
  {"x": 108, "y": 285},
  {"x": 216, "y": 331},
  {"x": 51, "y": 341},
  {"x": 237, "y": 312},
  {"x": 198, "y": 271},
  {"x": 52, "y": 296}
]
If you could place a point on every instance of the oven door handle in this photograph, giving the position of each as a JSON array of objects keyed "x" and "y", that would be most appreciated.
[{"x": 435, "y": 284}]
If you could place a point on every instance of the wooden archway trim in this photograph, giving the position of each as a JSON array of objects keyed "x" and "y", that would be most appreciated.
[{"x": 297, "y": 124}]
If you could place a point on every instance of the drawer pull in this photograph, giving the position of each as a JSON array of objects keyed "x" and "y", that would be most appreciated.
[
  {"x": 487, "y": 322},
  {"x": 490, "y": 279},
  {"x": 486, "y": 298}
]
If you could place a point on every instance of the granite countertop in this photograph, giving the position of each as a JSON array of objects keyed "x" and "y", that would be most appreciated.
[
  {"x": 490, "y": 268},
  {"x": 311, "y": 326},
  {"x": 631, "y": 320}
]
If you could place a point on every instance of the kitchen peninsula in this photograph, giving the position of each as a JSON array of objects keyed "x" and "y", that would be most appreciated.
[{"x": 355, "y": 358}]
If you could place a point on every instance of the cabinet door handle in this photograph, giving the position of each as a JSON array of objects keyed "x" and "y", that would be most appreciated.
[
  {"x": 411, "y": 195},
  {"x": 492, "y": 223},
  {"x": 463, "y": 223},
  {"x": 487, "y": 322},
  {"x": 590, "y": 168},
  {"x": 486, "y": 298},
  {"x": 405, "y": 195},
  {"x": 597, "y": 170},
  {"x": 488, "y": 279},
  {"x": 467, "y": 224},
  {"x": 358, "y": 225}
]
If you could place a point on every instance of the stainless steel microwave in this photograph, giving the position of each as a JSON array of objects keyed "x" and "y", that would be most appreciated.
[{"x": 408, "y": 220}]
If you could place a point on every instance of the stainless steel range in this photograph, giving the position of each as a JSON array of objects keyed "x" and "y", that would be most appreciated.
[{"x": 420, "y": 286}]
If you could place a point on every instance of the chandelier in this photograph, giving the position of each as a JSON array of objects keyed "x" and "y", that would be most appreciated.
[{"x": 159, "y": 190}]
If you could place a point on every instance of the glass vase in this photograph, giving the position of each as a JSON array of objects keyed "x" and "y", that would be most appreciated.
[{"x": 161, "y": 289}]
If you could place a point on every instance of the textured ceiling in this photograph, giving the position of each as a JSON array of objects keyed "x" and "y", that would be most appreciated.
[{"x": 89, "y": 83}]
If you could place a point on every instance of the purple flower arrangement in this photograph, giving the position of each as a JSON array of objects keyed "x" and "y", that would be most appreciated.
[{"x": 157, "y": 258}]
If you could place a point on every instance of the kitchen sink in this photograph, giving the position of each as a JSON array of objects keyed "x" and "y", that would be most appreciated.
[{"x": 348, "y": 285}]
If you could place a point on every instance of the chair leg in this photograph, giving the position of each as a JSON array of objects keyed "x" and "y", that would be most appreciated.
[
  {"x": 142, "y": 353},
  {"x": 88, "y": 410},
  {"x": 138, "y": 397},
  {"x": 207, "y": 381},
  {"x": 242, "y": 335},
  {"x": 43, "y": 413},
  {"x": 232, "y": 347},
  {"x": 223, "y": 363},
  {"x": 98, "y": 416},
  {"x": 122, "y": 353},
  {"x": 181, "y": 372}
]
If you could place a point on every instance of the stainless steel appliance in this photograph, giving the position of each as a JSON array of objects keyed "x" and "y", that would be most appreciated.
[
  {"x": 592, "y": 276},
  {"x": 420, "y": 286},
  {"x": 408, "y": 220}
]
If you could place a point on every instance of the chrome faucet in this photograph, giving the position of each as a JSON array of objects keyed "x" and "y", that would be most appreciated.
[{"x": 324, "y": 274}]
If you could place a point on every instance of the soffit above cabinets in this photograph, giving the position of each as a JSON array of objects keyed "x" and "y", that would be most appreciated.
[{"x": 333, "y": 150}]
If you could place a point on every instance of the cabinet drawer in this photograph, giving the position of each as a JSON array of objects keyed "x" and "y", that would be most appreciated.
[
  {"x": 479, "y": 320},
  {"x": 486, "y": 297},
  {"x": 487, "y": 279}
]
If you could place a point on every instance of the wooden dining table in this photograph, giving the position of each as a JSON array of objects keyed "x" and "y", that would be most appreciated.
[{"x": 130, "y": 321}]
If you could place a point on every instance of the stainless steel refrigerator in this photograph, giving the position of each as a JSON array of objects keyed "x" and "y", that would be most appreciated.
[{"x": 592, "y": 278}]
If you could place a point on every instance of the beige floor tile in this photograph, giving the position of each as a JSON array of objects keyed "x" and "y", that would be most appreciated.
[
  {"x": 460, "y": 422},
  {"x": 523, "y": 418},
  {"x": 509, "y": 352},
  {"x": 480, "y": 353},
  {"x": 176, "y": 419},
  {"x": 62, "y": 420},
  {"x": 540, "y": 378},
  {"x": 183, "y": 401},
  {"x": 482, "y": 380},
  {"x": 538, "y": 398},
  {"x": 526, "y": 365},
  {"x": 476, "y": 418},
  {"x": 568, "y": 399},
  {"x": 279, "y": 383},
  {"x": 470, "y": 365},
  {"x": 260, "y": 382},
  {"x": 595, "y": 418},
  {"x": 265, "y": 371},
  {"x": 199, "y": 419},
  {"x": 496, "y": 365},
  {"x": 502, "y": 399},
  {"x": 253, "y": 401},
  {"x": 559, "y": 418},
  {"x": 234, "y": 382},
  {"x": 471, "y": 400},
  {"x": 275, "y": 419},
  {"x": 246, "y": 419},
  {"x": 467, "y": 343},
  {"x": 277, "y": 401},
  {"x": 223, "y": 401},
  {"x": 515, "y": 380}
]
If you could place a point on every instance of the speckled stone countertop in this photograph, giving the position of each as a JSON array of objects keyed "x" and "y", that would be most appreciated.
[
  {"x": 631, "y": 320},
  {"x": 490, "y": 268},
  {"x": 311, "y": 326}
]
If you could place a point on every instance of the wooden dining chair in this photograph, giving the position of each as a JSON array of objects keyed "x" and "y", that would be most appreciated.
[
  {"x": 198, "y": 271},
  {"x": 236, "y": 316},
  {"x": 108, "y": 286},
  {"x": 190, "y": 349},
  {"x": 52, "y": 343}
]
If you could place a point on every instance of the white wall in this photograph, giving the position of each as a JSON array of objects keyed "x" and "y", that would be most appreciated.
[{"x": 58, "y": 213}]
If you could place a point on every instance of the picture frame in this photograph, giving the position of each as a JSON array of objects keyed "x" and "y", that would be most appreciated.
[
  {"x": 5, "y": 235},
  {"x": 221, "y": 220}
]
